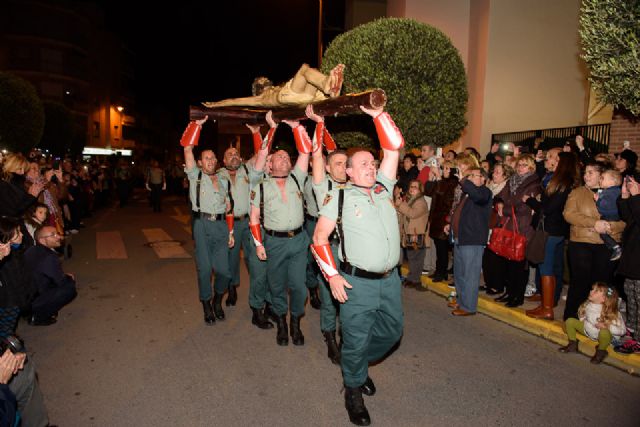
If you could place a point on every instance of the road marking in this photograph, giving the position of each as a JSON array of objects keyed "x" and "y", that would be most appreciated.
[
  {"x": 109, "y": 245},
  {"x": 163, "y": 245}
]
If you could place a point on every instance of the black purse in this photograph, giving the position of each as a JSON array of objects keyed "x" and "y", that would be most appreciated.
[{"x": 536, "y": 245}]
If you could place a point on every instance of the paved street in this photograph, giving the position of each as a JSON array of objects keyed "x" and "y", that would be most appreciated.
[{"x": 133, "y": 350}]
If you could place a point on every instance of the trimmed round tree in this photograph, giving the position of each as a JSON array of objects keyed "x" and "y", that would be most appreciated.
[
  {"x": 21, "y": 114},
  {"x": 418, "y": 68},
  {"x": 610, "y": 34}
]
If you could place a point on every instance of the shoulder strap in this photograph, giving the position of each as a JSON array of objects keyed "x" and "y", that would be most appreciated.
[
  {"x": 198, "y": 191},
  {"x": 230, "y": 194},
  {"x": 245, "y": 169},
  {"x": 339, "y": 223},
  {"x": 296, "y": 181},
  {"x": 262, "y": 203}
]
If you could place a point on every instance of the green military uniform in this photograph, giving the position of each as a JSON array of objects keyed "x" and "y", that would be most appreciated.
[
  {"x": 328, "y": 310},
  {"x": 310, "y": 220},
  {"x": 371, "y": 319},
  {"x": 209, "y": 232},
  {"x": 285, "y": 242},
  {"x": 246, "y": 178}
]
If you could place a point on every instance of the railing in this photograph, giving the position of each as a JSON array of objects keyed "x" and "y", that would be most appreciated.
[{"x": 596, "y": 137}]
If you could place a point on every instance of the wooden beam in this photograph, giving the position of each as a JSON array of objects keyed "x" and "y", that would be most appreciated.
[{"x": 346, "y": 104}]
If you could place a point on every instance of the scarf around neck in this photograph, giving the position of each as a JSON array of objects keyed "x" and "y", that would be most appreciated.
[{"x": 516, "y": 181}]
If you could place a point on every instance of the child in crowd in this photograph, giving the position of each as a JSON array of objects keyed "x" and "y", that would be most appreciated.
[
  {"x": 606, "y": 198},
  {"x": 599, "y": 320},
  {"x": 35, "y": 218}
]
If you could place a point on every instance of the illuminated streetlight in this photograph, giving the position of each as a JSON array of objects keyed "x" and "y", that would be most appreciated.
[{"x": 120, "y": 108}]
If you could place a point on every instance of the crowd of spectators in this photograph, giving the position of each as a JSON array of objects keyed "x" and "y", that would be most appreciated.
[{"x": 588, "y": 205}]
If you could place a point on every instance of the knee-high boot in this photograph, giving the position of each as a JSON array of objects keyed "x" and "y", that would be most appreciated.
[{"x": 545, "y": 311}]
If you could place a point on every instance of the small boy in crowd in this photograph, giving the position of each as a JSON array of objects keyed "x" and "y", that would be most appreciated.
[{"x": 606, "y": 198}]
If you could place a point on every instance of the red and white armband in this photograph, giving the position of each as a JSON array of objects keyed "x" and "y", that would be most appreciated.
[
  {"x": 257, "y": 141},
  {"x": 256, "y": 233},
  {"x": 324, "y": 258},
  {"x": 230, "y": 221},
  {"x": 303, "y": 142},
  {"x": 268, "y": 139},
  {"x": 388, "y": 133},
  {"x": 191, "y": 134},
  {"x": 323, "y": 137}
]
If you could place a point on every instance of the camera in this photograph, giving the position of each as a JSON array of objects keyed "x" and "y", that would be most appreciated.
[
  {"x": 12, "y": 343},
  {"x": 56, "y": 164},
  {"x": 453, "y": 171}
]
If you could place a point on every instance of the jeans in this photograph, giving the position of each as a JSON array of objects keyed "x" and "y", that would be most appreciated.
[{"x": 467, "y": 264}]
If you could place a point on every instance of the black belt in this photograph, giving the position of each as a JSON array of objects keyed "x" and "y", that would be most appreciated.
[
  {"x": 290, "y": 233},
  {"x": 210, "y": 217},
  {"x": 311, "y": 217},
  {"x": 241, "y": 217},
  {"x": 349, "y": 269}
]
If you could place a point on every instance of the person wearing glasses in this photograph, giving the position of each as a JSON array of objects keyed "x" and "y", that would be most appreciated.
[{"x": 54, "y": 287}]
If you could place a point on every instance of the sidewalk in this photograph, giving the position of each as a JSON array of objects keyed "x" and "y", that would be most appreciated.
[{"x": 550, "y": 330}]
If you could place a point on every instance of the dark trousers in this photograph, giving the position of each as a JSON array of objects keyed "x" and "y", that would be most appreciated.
[
  {"x": 588, "y": 263},
  {"x": 156, "y": 197},
  {"x": 494, "y": 270},
  {"x": 50, "y": 302},
  {"x": 517, "y": 274},
  {"x": 442, "y": 256}
]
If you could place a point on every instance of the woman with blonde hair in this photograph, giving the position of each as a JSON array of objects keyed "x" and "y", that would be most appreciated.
[
  {"x": 414, "y": 217},
  {"x": 14, "y": 198}
]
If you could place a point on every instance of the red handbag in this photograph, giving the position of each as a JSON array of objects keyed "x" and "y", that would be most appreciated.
[{"x": 506, "y": 243}]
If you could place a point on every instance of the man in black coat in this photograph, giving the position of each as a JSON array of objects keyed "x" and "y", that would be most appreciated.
[{"x": 55, "y": 288}]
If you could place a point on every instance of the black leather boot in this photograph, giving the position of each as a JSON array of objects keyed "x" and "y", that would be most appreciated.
[
  {"x": 259, "y": 320},
  {"x": 269, "y": 313},
  {"x": 296, "y": 334},
  {"x": 209, "y": 318},
  {"x": 354, "y": 403},
  {"x": 232, "y": 297},
  {"x": 368, "y": 388},
  {"x": 333, "y": 351},
  {"x": 217, "y": 306},
  {"x": 282, "y": 337},
  {"x": 314, "y": 299}
]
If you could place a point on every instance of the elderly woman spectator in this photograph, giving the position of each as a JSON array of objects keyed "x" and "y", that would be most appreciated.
[
  {"x": 588, "y": 255},
  {"x": 494, "y": 266},
  {"x": 549, "y": 208},
  {"x": 524, "y": 182},
  {"x": 442, "y": 194},
  {"x": 414, "y": 216}
]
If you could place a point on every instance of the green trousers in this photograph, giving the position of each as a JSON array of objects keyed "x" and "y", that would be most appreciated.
[
  {"x": 329, "y": 307},
  {"x": 212, "y": 254},
  {"x": 371, "y": 321},
  {"x": 286, "y": 269},
  {"x": 258, "y": 286},
  {"x": 574, "y": 325},
  {"x": 313, "y": 271}
]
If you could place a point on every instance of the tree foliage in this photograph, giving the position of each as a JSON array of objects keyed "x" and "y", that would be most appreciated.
[
  {"x": 418, "y": 68},
  {"x": 610, "y": 30},
  {"x": 21, "y": 114}
]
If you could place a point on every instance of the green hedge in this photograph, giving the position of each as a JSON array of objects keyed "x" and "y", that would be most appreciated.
[
  {"x": 418, "y": 68},
  {"x": 21, "y": 114}
]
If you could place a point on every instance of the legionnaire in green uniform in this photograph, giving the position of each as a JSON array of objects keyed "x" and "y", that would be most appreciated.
[
  {"x": 242, "y": 177},
  {"x": 310, "y": 219},
  {"x": 366, "y": 283},
  {"x": 327, "y": 176},
  {"x": 213, "y": 223},
  {"x": 285, "y": 247}
]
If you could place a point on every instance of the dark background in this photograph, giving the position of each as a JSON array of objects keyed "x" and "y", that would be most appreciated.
[{"x": 189, "y": 52}]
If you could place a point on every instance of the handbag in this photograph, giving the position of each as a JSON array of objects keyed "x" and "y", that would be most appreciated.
[
  {"x": 536, "y": 245},
  {"x": 413, "y": 241},
  {"x": 506, "y": 243}
]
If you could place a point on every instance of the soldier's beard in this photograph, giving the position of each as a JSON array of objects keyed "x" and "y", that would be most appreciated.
[{"x": 233, "y": 166}]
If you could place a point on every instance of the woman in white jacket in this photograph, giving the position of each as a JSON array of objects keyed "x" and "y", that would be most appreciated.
[{"x": 599, "y": 320}]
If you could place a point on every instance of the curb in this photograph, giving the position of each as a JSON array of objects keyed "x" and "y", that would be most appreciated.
[{"x": 549, "y": 330}]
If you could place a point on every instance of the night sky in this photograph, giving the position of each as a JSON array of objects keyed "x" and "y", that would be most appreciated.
[{"x": 209, "y": 50}]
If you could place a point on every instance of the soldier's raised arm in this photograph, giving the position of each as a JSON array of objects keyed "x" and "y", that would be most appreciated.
[{"x": 391, "y": 140}]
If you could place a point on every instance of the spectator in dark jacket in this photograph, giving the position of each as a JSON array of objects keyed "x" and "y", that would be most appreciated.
[
  {"x": 55, "y": 287},
  {"x": 408, "y": 172},
  {"x": 629, "y": 267},
  {"x": 470, "y": 226}
]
